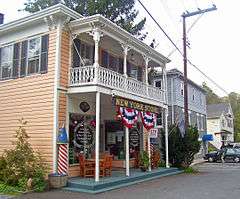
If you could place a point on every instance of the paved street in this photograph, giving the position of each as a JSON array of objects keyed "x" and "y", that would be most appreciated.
[{"x": 214, "y": 181}]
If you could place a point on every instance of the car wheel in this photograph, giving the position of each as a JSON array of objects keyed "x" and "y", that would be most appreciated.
[
  {"x": 236, "y": 159},
  {"x": 210, "y": 159}
]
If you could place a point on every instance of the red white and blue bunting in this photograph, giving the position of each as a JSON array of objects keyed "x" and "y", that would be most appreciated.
[
  {"x": 129, "y": 116},
  {"x": 148, "y": 119}
]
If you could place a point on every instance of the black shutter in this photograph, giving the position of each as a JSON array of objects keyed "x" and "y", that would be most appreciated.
[
  {"x": 105, "y": 59},
  {"x": 129, "y": 69},
  {"x": 16, "y": 57},
  {"x": 23, "y": 58},
  {"x": 93, "y": 54},
  {"x": 0, "y": 65},
  {"x": 120, "y": 65},
  {"x": 44, "y": 54},
  {"x": 76, "y": 58},
  {"x": 140, "y": 73}
]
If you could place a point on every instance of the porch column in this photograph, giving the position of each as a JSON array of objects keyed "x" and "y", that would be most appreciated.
[
  {"x": 126, "y": 48},
  {"x": 97, "y": 136},
  {"x": 149, "y": 151},
  {"x": 166, "y": 137},
  {"x": 96, "y": 37},
  {"x": 127, "y": 151},
  {"x": 146, "y": 59}
]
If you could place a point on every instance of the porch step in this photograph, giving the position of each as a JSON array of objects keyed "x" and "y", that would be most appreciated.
[{"x": 117, "y": 180}]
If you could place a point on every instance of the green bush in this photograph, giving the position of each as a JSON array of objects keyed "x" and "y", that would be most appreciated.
[
  {"x": 190, "y": 170},
  {"x": 21, "y": 165},
  {"x": 181, "y": 149},
  {"x": 144, "y": 160}
]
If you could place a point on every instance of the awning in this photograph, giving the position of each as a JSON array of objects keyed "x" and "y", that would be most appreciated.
[{"x": 207, "y": 137}]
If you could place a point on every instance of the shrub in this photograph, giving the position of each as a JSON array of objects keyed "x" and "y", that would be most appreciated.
[
  {"x": 181, "y": 149},
  {"x": 144, "y": 160},
  {"x": 20, "y": 164}
]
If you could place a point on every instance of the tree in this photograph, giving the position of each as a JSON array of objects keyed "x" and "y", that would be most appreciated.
[
  {"x": 181, "y": 149},
  {"x": 121, "y": 12},
  {"x": 212, "y": 98}
]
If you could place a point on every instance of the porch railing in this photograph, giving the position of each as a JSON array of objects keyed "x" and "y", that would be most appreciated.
[{"x": 87, "y": 76}]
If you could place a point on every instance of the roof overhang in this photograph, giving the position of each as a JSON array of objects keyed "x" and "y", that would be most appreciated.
[
  {"x": 59, "y": 10},
  {"x": 107, "y": 27}
]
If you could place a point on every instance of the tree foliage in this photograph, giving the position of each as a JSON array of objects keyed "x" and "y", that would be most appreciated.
[
  {"x": 21, "y": 164},
  {"x": 121, "y": 12},
  {"x": 181, "y": 149}
]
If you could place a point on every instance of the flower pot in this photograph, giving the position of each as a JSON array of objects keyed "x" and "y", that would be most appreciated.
[{"x": 57, "y": 180}]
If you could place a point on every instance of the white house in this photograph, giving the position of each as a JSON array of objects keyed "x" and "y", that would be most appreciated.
[{"x": 220, "y": 123}]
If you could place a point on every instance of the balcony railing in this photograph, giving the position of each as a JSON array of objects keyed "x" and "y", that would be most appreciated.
[{"x": 87, "y": 76}]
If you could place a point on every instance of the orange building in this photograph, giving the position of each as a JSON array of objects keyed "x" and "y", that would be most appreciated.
[{"x": 59, "y": 68}]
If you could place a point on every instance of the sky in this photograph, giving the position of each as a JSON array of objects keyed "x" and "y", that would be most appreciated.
[{"x": 214, "y": 39}]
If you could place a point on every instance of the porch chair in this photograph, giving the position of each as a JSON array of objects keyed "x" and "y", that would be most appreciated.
[
  {"x": 87, "y": 168},
  {"x": 108, "y": 165}
]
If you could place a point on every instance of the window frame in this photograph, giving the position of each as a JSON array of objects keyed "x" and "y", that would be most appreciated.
[
  {"x": 156, "y": 122},
  {"x": 182, "y": 88},
  {"x": 11, "y": 62},
  {"x": 156, "y": 81}
]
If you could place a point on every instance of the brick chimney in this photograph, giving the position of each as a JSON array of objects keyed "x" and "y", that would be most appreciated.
[{"x": 1, "y": 18}]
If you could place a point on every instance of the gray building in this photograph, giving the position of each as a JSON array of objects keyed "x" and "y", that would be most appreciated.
[{"x": 196, "y": 100}]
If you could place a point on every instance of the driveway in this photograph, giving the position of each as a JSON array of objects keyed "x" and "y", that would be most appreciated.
[{"x": 215, "y": 181}]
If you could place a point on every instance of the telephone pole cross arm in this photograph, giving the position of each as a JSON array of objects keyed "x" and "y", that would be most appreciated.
[{"x": 184, "y": 16}]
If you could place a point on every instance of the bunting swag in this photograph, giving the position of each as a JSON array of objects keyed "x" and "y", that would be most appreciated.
[
  {"x": 148, "y": 119},
  {"x": 129, "y": 116}
]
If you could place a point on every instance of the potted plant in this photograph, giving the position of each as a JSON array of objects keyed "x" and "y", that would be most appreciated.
[{"x": 144, "y": 161}]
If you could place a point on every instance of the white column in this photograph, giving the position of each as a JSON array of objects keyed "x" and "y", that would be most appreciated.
[
  {"x": 96, "y": 37},
  {"x": 97, "y": 136},
  {"x": 127, "y": 150},
  {"x": 146, "y": 68},
  {"x": 166, "y": 137},
  {"x": 149, "y": 151},
  {"x": 125, "y": 48}
]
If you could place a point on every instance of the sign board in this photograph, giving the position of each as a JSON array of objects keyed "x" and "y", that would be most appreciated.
[
  {"x": 134, "y": 137},
  {"x": 136, "y": 105},
  {"x": 153, "y": 133}
]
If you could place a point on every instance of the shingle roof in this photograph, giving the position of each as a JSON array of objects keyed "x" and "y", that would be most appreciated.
[{"x": 216, "y": 110}]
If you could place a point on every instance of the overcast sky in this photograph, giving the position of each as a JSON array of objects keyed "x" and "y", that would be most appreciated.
[{"x": 214, "y": 39}]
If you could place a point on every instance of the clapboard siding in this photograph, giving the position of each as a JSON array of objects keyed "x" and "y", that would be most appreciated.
[{"x": 30, "y": 98}]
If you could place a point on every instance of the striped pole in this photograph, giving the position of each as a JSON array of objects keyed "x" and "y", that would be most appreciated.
[{"x": 62, "y": 159}]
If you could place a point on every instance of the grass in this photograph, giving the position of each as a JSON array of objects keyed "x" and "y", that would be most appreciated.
[
  {"x": 190, "y": 170},
  {"x": 9, "y": 190}
]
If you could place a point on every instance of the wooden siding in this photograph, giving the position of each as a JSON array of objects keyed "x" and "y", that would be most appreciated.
[{"x": 30, "y": 98}]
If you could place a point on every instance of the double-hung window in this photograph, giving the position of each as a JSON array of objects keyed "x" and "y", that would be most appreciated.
[
  {"x": 6, "y": 62},
  {"x": 34, "y": 50},
  {"x": 158, "y": 84},
  {"x": 159, "y": 120}
]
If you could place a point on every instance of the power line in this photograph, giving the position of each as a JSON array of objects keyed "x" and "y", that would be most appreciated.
[{"x": 196, "y": 67}]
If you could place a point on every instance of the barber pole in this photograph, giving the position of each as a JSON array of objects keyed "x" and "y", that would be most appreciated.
[
  {"x": 62, "y": 159},
  {"x": 62, "y": 151}
]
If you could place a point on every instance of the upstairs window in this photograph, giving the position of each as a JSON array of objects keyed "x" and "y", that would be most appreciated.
[
  {"x": 6, "y": 60},
  {"x": 193, "y": 94},
  {"x": 24, "y": 58},
  {"x": 34, "y": 55},
  {"x": 158, "y": 84},
  {"x": 182, "y": 88}
]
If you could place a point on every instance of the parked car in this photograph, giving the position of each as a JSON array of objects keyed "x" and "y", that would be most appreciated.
[{"x": 227, "y": 154}]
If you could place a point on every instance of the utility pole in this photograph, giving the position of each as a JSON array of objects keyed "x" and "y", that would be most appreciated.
[{"x": 184, "y": 16}]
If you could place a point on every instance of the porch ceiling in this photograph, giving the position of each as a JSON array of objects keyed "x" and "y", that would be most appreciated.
[{"x": 87, "y": 24}]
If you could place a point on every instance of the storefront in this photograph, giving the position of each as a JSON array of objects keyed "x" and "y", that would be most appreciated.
[{"x": 117, "y": 116}]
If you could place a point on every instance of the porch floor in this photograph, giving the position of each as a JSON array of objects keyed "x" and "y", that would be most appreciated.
[{"x": 117, "y": 180}]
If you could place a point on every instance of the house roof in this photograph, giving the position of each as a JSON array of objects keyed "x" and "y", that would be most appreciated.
[
  {"x": 216, "y": 110},
  {"x": 58, "y": 9},
  {"x": 180, "y": 75}
]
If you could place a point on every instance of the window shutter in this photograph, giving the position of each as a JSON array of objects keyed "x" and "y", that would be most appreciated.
[
  {"x": 0, "y": 66},
  {"x": 140, "y": 73},
  {"x": 23, "y": 58},
  {"x": 105, "y": 59},
  {"x": 16, "y": 54},
  {"x": 76, "y": 58},
  {"x": 93, "y": 54},
  {"x": 120, "y": 65},
  {"x": 128, "y": 69},
  {"x": 44, "y": 54}
]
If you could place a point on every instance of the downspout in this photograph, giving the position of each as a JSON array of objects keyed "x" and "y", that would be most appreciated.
[
  {"x": 172, "y": 100},
  {"x": 56, "y": 94}
]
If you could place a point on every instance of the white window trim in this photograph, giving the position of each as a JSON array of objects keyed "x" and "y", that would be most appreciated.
[
  {"x": 27, "y": 57},
  {"x": 11, "y": 62}
]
